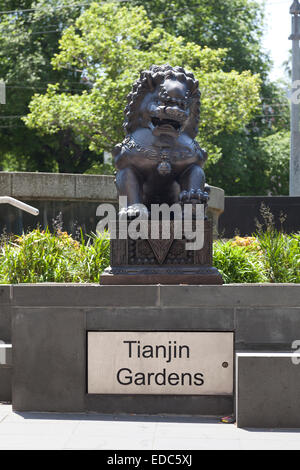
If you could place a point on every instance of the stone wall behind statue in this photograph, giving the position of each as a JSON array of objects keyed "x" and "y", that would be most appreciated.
[{"x": 77, "y": 197}]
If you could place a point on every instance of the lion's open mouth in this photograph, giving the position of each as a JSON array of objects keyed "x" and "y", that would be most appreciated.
[{"x": 166, "y": 124}]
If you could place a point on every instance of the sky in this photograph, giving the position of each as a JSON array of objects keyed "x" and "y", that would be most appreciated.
[{"x": 277, "y": 31}]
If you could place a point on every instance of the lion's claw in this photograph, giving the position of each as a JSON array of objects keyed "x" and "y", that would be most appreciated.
[
  {"x": 133, "y": 211},
  {"x": 194, "y": 196}
]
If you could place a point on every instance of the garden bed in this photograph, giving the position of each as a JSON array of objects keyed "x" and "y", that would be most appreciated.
[{"x": 41, "y": 256}]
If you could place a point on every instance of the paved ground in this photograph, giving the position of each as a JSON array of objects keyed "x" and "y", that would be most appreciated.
[{"x": 93, "y": 431}]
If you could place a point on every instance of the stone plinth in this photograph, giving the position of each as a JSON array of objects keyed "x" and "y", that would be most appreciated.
[{"x": 161, "y": 261}]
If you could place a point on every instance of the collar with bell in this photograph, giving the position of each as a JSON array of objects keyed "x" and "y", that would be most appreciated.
[{"x": 164, "y": 168}]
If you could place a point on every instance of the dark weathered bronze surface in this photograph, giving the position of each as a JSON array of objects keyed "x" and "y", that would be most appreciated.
[
  {"x": 161, "y": 261},
  {"x": 168, "y": 252},
  {"x": 160, "y": 162}
]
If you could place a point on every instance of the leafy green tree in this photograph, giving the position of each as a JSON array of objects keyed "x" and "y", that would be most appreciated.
[
  {"x": 237, "y": 26},
  {"x": 110, "y": 44},
  {"x": 265, "y": 157},
  {"x": 250, "y": 159},
  {"x": 234, "y": 25},
  {"x": 276, "y": 150},
  {"x": 28, "y": 40}
]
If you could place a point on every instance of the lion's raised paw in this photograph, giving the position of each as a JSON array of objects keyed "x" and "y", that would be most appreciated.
[
  {"x": 194, "y": 196},
  {"x": 133, "y": 211}
]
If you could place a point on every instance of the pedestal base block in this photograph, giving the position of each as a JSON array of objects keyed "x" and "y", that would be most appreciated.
[
  {"x": 161, "y": 261},
  {"x": 183, "y": 275}
]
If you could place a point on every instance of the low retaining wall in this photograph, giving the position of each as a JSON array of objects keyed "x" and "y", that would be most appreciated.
[
  {"x": 263, "y": 316},
  {"x": 48, "y": 324},
  {"x": 76, "y": 197}
]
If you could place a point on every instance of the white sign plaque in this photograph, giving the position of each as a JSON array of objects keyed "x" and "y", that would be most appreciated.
[{"x": 170, "y": 363}]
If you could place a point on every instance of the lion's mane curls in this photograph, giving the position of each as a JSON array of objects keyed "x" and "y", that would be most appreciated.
[{"x": 148, "y": 81}]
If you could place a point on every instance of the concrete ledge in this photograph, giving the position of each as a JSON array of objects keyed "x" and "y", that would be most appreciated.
[
  {"x": 50, "y": 321},
  {"x": 62, "y": 186},
  {"x": 55, "y": 192},
  {"x": 207, "y": 319},
  {"x": 267, "y": 388},
  {"x": 80, "y": 295},
  {"x": 236, "y": 296},
  {"x": 264, "y": 316},
  {"x": 231, "y": 295}
]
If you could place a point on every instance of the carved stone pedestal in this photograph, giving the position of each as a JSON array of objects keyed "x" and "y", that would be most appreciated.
[{"x": 142, "y": 262}]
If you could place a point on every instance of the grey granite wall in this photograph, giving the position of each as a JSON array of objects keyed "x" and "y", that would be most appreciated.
[
  {"x": 49, "y": 324},
  {"x": 76, "y": 197}
]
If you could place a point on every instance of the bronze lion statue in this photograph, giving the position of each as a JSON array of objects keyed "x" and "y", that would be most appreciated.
[{"x": 159, "y": 161}]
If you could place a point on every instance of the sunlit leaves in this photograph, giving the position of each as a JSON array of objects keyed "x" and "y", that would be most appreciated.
[{"x": 110, "y": 44}]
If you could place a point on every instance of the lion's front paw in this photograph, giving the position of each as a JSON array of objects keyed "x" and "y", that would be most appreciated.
[
  {"x": 194, "y": 196},
  {"x": 133, "y": 211}
]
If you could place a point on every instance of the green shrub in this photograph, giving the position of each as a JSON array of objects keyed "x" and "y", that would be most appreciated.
[
  {"x": 40, "y": 256},
  {"x": 238, "y": 264},
  {"x": 94, "y": 258},
  {"x": 281, "y": 254}
]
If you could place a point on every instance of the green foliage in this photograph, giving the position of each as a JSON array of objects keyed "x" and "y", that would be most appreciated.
[
  {"x": 28, "y": 40},
  {"x": 253, "y": 165},
  {"x": 281, "y": 255},
  {"x": 40, "y": 256},
  {"x": 101, "y": 169},
  {"x": 281, "y": 252},
  {"x": 255, "y": 160},
  {"x": 270, "y": 254},
  {"x": 236, "y": 25},
  {"x": 238, "y": 264},
  {"x": 73, "y": 140},
  {"x": 271, "y": 257},
  {"x": 275, "y": 150},
  {"x": 110, "y": 44}
]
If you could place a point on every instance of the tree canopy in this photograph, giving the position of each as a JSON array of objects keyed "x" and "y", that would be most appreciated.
[
  {"x": 29, "y": 35},
  {"x": 235, "y": 25},
  {"x": 109, "y": 45},
  {"x": 68, "y": 68}
]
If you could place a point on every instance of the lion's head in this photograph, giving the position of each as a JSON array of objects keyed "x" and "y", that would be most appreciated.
[{"x": 166, "y": 100}]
